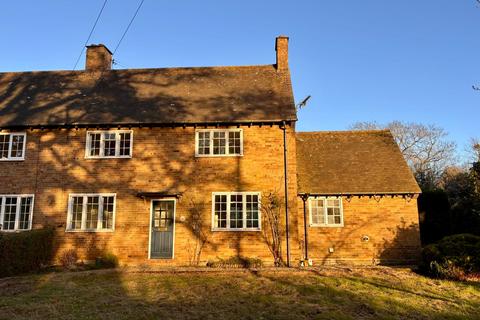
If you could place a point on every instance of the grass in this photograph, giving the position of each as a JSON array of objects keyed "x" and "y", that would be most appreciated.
[{"x": 327, "y": 293}]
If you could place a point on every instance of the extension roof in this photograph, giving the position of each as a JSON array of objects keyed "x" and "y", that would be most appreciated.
[
  {"x": 352, "y": 162},
  {"x": 245, "y": 94}
]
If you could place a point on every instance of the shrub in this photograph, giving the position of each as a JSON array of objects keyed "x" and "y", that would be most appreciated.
[
  {"x": 235, "y": 262},
  {"x": 68, "y": 259},
  {"x": 25, "y": 251},
  {"x": 106, "y": 261},
  {"x": 453, "y": 257}
]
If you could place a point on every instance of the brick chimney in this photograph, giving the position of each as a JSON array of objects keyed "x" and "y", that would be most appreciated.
[
  {"x": 99, "y": 58},
  {"x": 281, "y": 47}
]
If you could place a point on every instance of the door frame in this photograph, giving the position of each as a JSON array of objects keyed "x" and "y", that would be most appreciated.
[{"x": 150, "y": 227}]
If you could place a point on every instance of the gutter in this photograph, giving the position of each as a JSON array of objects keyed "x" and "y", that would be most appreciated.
[
  {"x": 410, "y": 193},
  {"x": 119, "y": 125}
]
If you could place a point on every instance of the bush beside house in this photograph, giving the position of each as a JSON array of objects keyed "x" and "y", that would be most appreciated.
[
  {"x": 453, "y": 257},
  {"x": 24, "y": 252}
]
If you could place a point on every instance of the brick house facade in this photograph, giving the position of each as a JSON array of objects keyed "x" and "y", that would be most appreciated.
[{"x": 170, "y": 166}]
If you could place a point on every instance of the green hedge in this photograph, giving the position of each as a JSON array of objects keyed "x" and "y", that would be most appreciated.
[
  {"x": 453, "y": 256},
  {"x": 26, "y": 251}
]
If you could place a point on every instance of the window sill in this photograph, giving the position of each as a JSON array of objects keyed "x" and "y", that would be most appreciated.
[
  {"x": 12, "y": 159},
  {"x": 90, "y": 231},
  {"x": 236, "y": 230},
  {"x": 326, "y": 225},
  {"x": 217, "y": 155},
  {"x": 119, "y": 157},
  {"x": 13, "y": 231}
]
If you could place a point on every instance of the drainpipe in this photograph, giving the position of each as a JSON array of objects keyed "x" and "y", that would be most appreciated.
[
  {"x": 285, "y": 164},
  {"x": 305, "y": 230}
]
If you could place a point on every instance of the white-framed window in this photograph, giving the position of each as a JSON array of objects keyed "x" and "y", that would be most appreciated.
[
  {"x": 12, "y": 146},
  {"x": 218, "y": 142},
  {"x": 109, "y": 144},
  {"x": 236, "y": 211},
  {"x": 91, "y": 212},
  {"x": 16, "y": 212},
  {"x": 326, "y": 211}
]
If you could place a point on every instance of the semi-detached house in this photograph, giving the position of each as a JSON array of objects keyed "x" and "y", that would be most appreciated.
[{"x": 171, "y": 165}]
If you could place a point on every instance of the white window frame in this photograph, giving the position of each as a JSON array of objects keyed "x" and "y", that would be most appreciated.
[
  {"x": 17, "y": 212},
  {"x": 9, "y": 156},
  {"x": 102, "y": 144},
  {"x": 325, "y": 215},
  {"x": 84, "y": 211},
  {"x": 227, "y": 146},
  {"x": 244, "y": 210}
]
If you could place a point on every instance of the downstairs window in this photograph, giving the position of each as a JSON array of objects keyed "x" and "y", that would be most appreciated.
[
  {"x": 326, "y": 212},
  {"x": 16, "y": 212},
  {"x": 91, "y": 212},
  {"x": 236, "y": 211}
]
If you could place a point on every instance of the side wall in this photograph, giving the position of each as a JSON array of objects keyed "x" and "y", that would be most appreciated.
[
  {"x": 163, "y": 160},
  {"x": 391, "y": 225}
]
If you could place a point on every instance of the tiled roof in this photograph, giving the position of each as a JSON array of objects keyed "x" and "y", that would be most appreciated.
[
  {"x": 146, "y": 96},
  {"x": 352, "y": 162}
]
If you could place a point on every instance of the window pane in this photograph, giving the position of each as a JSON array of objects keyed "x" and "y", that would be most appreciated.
[
  {"x": 252, "y": 211},
  {"x": 10, "y": 213},
  {"x": 4, "y": 142},
  {"x": 77, "y": 208},
  {"x": 219, "y": 142},
  {"x": 125, "y": 141},
  {"x": 220, "y": 217},
  {"x": 236, "y": 211},
  {"x": 234, "y": 142},
  {"x": 333, "y": 202},
  {"x": 109, "y": 144},
  {"x": 25, "y": 211},
  {"x": 107, "y": 220},
  {"x": 94, "y": 144},
  {"x": 314, "y": 214},
  {"x": 334, "y": 214},
  {"x": 204, "y": 142},
  {"x": 17, "y": 146},
  {"x": 317, "y": 211},
  {"x": 92, "y": 213}
]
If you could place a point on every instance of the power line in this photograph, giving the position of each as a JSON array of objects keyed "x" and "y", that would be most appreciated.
[
  {"x": 128, "y": 27},
  {"x": 91, "y": 32}
]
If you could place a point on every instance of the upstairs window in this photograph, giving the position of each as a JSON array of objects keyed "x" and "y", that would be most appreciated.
[
  {"x": 109, "y": 144},
  {"x": 326, "y": 212},
  {"x": 236, "y": 211},
  {"x": 91, "y": 212},
  {"x": 219, "y": 142},
  {"x": 16, "y": 212},
  {"x": 12, "y": 146}
]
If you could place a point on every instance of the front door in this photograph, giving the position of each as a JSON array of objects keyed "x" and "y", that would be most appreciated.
[{"x": 162, "y": 229}]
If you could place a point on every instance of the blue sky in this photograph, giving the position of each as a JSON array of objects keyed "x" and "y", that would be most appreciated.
[{"x": 364, "y": 60}]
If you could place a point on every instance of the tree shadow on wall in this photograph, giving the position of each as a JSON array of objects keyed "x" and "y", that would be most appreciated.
[{"x": 404, "y": 248}]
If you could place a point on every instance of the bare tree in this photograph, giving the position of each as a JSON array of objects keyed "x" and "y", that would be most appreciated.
[
  {"x": 426, "y": 148},
  {"x": 271, "y": 212},
  {"x": 475, "y": 148},
  {"x": 199, "y": 229}
]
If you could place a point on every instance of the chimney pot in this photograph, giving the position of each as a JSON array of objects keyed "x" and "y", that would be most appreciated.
[
  {"x": 281, "y": 47},
  {"x": 99, "y": 58}
]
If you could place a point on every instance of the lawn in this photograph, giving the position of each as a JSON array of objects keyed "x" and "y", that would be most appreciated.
[{"x": 325, "y": 293}]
